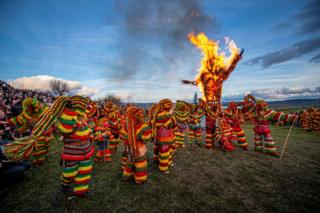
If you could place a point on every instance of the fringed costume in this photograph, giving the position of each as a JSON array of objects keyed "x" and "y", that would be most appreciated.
[
  {"x": 211, "y": 116},
  {"x": 135, "y": 134},
  {"x": 67, "y": 114},
  {"x": 114, "y": 125},
  {"x": 32, "y": 109},
  {"x": 181, "y": 114},
  {"x": 234, "y": 119},
  {"x": 262, "y": 116},
  {"x": 103, "y": 136},
  {"x": 224, "y": 134},
  {"x": 101, "y": 133},
  {"x": 163, "y": 124},
  {"x": 194, "y": 131}
]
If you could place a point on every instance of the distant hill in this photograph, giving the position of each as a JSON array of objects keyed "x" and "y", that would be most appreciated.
[{"x": 295, "y": 103}]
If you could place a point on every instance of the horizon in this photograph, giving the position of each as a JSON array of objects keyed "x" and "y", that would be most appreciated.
[{"x": 139, "y": 50}]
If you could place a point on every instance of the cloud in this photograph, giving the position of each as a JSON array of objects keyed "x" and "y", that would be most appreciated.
[
  {"x": 281, "y": 93},
  {"x": 315, "y": 59},
  {"x": 41, "y": 82},
  {"x": 305, "y": 21},
  {"x": 294, "y": 51}
]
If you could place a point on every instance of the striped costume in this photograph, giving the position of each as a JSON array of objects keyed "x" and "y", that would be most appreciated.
[
  {"x": 164, "y": 123},
  {"x": 114, "y": 124},
  {"x": 233, "y": 118},
  {"x": 135, "y": 136},
  {"x": 77, "y": 152},
  {"x": 31, "y": 112},
  {"x": 194, "y": 131},
  {"x": 211, "y": 116},
  {"x": 67, "y": 114},
  {"x": 102, "y": 138},
  {"x": 262, "y": 116},
  {"x": 181, "y": 114},
  {"x": 224, "y": 134}
]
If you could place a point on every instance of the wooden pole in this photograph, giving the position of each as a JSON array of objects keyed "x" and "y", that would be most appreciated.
[{"x": 286, "y": 141}]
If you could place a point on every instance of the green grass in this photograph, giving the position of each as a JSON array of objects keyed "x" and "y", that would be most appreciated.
[{"x": 200, "y": 181}]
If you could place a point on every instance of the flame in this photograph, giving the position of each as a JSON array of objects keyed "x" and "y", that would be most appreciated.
[{"x": 215, "y": 65}]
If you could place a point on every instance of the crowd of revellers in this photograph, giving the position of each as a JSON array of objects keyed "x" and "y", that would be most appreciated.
[{"x": 91, "y": 133}]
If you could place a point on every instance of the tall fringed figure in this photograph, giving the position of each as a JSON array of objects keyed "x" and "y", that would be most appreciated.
[
  {"x": 163, "y": 124},
  {"x": 194, "y": 131},
  {"x": 233, "y": 118},
  {"x": 181, "y": 114},
  {"x": 113, "y": 116},
  {"x": 262, "y": 115},
  {"x": 136, "y": 134}
]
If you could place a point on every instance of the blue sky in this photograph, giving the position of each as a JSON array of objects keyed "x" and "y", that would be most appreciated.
[{"x": 90, "y": 42}]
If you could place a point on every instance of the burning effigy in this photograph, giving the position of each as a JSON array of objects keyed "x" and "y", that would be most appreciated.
[{"x": 215, "y": 68}]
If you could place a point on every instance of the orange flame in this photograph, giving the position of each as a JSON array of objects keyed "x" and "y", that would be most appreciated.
[{"x": 215, "y": 66}]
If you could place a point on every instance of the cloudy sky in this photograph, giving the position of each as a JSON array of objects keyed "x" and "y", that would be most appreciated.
[{"x": 139, "y": 50}]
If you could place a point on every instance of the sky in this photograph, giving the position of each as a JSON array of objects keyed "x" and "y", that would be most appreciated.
[{"x": 139, "y": 49}]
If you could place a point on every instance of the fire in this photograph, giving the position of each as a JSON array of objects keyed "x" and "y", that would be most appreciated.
[{"x": 215, "y": 65}]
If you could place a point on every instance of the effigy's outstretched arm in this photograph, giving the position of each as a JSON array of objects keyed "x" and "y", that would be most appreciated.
[
  {"x": 189, "y": 82},
  {"x": 233, "y": 64}
]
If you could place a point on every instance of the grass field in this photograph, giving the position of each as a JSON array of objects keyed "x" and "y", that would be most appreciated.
[{"x": 200, "y": 181}]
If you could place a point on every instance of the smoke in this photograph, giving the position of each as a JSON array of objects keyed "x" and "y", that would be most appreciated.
[{"x": 156, "y": 31}]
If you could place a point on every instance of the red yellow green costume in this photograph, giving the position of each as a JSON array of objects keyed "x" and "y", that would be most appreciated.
[
  {"x": 181, "y": 114},
  {"x": 68, "y": 116},
  {"x": 135, "y": 134},
  {"x": 194, "y": 131},
  {"x": 163, "y": 124},
  {"x": 313, "y": 120},
  {"x": 32, "y": 109},
  {"x": 211, "y": 116},
  {"x": 224, "y": 134},
  {"x": 114, "y": 121},
  {"x": 233, "y": 118},
  {"x": 101, "y": 133},
  {"x": 262, "y": 116},
  {"x": 103, "y": 137}
]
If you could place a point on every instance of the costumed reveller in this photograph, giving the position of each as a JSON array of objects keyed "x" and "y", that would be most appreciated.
[
  {"x": 136, "y": 133},
  {"x": 233, "y": 118},
  {"x": 103, "y": 136},
  {"x": 68, "y": 116},
  {"x": 224, "y": 133},
  {"x": 114, "y": 124},
  {"x": 194, "y": 131},
  {"x": 101, "y": 133},
  {"x": 181, "y": 114},
  {"x": 32, "y": 109},
  {"x": 303, "y": 119},
  {"x": 163, "y": 125},
  {"x": 211, "y": 112},
  {"x": 262, "y": 115},
  {"x": 313, "y": 120},
  {"x": 153, "y": 109},
  {"x": 215, "y": 69}
]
